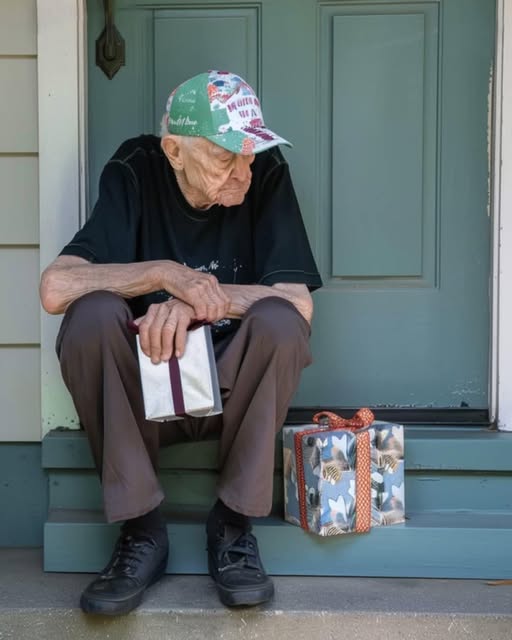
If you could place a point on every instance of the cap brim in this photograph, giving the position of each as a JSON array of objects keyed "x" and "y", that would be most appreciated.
[{"x": 248, "y": 140}]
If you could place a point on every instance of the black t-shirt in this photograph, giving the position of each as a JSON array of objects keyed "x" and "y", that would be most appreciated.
[{"x": 142, "y": 215}]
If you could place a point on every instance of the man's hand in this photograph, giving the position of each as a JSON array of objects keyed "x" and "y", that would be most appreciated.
[
  {"x": 163, "y": 330},
  {"x": 201, "y": 291}
]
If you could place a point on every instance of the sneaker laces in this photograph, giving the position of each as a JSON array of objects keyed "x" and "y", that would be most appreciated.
[
  {"x": 240, "y": 553},
  {"x": 128, "y": 554}
]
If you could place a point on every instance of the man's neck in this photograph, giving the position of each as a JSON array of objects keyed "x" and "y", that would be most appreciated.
[{"x": 193, "y": 196}]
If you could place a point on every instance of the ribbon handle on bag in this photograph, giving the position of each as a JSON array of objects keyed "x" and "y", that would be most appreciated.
[{"x": 360, "y": 420}]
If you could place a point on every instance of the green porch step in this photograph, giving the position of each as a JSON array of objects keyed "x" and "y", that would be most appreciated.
[
  {"x": 430, "y": 545},
  {"x": 424, "y": 490},
  {"x": 427, "y": 447},
  {"x": 445, "y": 470},
  {"x": 458, "y": 504}
]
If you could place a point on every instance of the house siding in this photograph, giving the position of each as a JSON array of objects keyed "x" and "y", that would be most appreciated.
[{"x": 19, "y": 225}]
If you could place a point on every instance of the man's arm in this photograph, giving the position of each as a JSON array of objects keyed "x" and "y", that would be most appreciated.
[
  {"x": 162, "y": 331},
  {"x": 243, "y": 296},
  {"x": 69, "y": 277}
]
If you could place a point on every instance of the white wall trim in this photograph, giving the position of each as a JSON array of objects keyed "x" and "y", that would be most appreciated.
[
  {"x": 503, "y": 217},
  {"x": 61, "y": 102},
  {"x": 62, "y": 82},
  {"x": 82, "y": 109},
  {"x": 495, "y": 182}
]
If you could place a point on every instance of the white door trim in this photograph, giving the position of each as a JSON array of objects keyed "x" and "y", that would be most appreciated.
[
  {"x": 62, "y": 161},
  {"x": 61, "y": 44},
  {"x": 502, "y": 242}
]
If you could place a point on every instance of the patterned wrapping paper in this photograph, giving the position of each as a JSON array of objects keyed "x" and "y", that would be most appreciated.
[{"x": 329, "y": 462}]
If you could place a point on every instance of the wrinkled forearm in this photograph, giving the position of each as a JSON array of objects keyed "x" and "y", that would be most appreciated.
[
  {"x": 244, "y": 296},
  {"x": 62, "y": 283}
]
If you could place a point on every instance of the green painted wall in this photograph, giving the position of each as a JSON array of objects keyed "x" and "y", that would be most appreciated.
[{"x": 23, "y": 495}]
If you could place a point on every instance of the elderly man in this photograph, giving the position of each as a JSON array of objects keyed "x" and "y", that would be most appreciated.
[{"x": 200, "y": 224}]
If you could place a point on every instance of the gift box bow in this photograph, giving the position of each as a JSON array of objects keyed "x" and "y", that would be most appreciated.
[{"x": 358, "y": 425}]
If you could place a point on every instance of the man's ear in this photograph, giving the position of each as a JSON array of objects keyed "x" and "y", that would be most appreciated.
[{"x": 171, "y": 146}]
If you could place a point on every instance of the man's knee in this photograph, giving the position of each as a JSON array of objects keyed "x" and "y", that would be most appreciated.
[
  {"x": 278, "y": 323},
  {"x": 93, "y": 316}
]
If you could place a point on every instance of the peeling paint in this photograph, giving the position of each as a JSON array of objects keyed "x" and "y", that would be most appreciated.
[{"x": 468, "y": 388}]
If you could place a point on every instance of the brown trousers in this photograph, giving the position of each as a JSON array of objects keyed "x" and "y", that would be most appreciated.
[{"x": 259, "y": 370}]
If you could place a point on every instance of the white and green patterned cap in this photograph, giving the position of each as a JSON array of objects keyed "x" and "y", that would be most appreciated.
[{"x": 223, "y": 108}]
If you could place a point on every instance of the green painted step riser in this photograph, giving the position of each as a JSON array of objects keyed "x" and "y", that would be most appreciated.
[
  {"x": 398, "y": 551},
  {"x": 81, "y": 490},
  {"x": 424, "y": 491},
  {"x": 425, "y": 449}
]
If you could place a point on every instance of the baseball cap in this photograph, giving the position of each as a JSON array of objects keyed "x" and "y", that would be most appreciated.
[{"x": 222, "y": 107}]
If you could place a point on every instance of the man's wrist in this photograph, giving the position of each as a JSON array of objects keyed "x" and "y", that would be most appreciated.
[{"x": 159, "y": 274}]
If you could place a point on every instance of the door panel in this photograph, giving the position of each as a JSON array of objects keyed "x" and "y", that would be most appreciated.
[
  {"x": 225, "y": 35},
  {"x": 379, "y": 104},
  {"x": 387, "y": 105}
]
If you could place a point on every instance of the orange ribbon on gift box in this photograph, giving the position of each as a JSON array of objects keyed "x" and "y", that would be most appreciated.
[{"x": 357, "y": 425}]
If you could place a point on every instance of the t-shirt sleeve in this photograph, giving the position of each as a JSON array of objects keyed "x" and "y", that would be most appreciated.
[
  {"x": 110, "y": 234},
  {"x": 282, "y": 251}
]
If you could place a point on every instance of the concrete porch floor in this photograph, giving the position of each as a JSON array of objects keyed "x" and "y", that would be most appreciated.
[{"x": 34, "y": 604}]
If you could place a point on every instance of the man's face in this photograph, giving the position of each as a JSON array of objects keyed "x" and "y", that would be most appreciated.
[{"x": 214, "y": 175}]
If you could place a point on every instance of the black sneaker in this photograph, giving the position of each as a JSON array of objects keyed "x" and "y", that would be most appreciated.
[
  {"x": 235, "y": 565},
  {"x": 137, "y": 562}
]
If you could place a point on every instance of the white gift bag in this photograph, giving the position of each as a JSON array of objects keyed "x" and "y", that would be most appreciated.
[{"x": 182, "y": 387}]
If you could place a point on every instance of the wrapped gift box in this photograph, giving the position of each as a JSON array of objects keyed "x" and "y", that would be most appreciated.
[
  {"x": 187, "y": 386},
  {"x": 337, "y": 481}
]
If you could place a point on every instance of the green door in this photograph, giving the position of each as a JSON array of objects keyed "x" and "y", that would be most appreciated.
[{"x": 387, "y": 104}]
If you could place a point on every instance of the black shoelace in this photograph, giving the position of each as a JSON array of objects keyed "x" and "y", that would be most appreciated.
[
  {"x": 241, "y": 553},
  {"x": 128, "y": 554}
]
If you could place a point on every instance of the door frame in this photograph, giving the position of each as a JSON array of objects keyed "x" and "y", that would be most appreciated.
[{"x": 62, "y": 103}]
